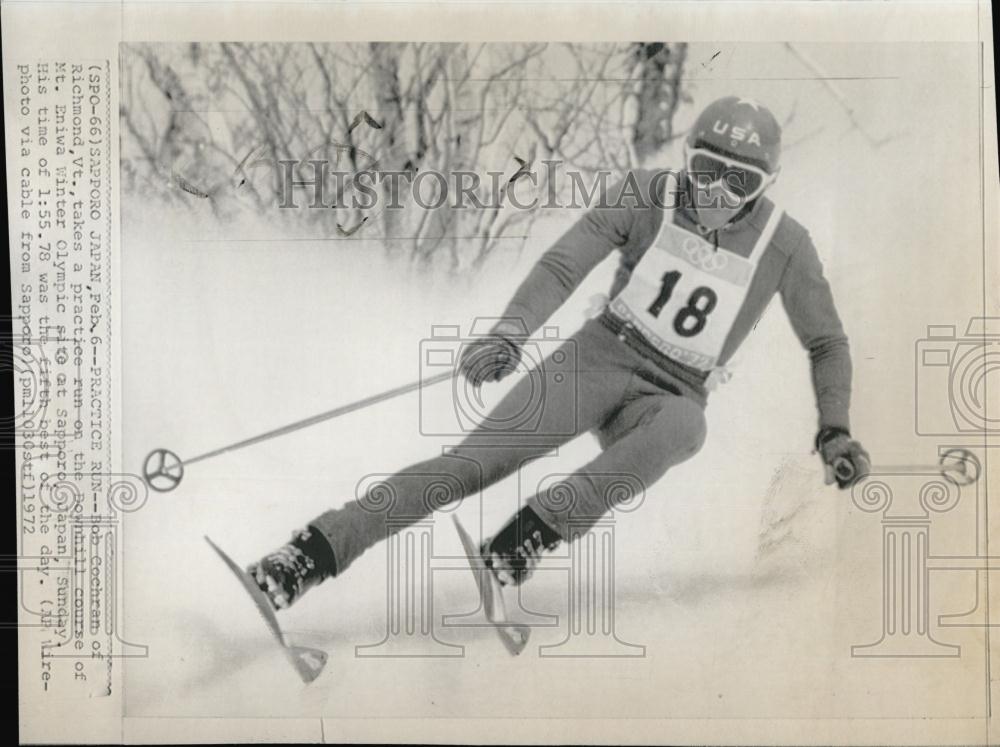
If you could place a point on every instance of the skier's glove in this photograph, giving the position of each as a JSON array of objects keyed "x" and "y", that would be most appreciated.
[
  {"x": 491, "y": 358},
  {"x": 845, "y": 460}
]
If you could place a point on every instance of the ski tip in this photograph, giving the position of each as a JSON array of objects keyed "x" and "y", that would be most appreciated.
[
  {"x": 218, "y": 550},
  {"x": 309, "y": 662},
  {"x": 464, "y": 536},
  {"x": 515, "y": 638}
]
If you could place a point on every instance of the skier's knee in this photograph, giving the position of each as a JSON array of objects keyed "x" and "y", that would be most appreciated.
[
  {"x": 678, "y": 436},
  {"x": 697, "y": 437}
]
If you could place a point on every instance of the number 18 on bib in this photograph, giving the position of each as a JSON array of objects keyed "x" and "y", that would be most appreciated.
[{"x": 684, "y": 294}]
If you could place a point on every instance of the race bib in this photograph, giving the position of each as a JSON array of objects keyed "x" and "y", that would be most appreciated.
[{"x": 684, "y": 294}]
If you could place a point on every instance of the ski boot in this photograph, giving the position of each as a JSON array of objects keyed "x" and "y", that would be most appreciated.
[
  {"x": 290, "y": 571},
  {"x": 514, "y": 552}
]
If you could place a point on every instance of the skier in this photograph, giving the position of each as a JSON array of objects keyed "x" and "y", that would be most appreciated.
[{"x": 693, "y": 280}]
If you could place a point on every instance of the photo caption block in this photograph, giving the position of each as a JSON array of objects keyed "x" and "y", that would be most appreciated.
[{"x": 70, "y": 501}]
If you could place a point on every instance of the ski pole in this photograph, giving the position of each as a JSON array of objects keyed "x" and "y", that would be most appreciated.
[
  {"x": 958, "y": 466},
  {"x": 163, "y": 469}
]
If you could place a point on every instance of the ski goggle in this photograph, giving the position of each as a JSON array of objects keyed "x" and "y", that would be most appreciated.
[{"x": 707, "y": 168}]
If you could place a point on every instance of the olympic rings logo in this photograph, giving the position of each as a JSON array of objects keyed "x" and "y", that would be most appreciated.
[{"x": 702, "y": 255}]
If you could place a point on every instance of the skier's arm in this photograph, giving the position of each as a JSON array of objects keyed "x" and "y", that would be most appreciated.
[
  {"x": 564, "y": 266},
  {"x": 808, "y": 301}
]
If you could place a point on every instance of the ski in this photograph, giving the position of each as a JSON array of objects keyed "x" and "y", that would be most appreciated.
[
  {"x": 513, "y": 635},
  {"x": 308, "y": 662}
]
